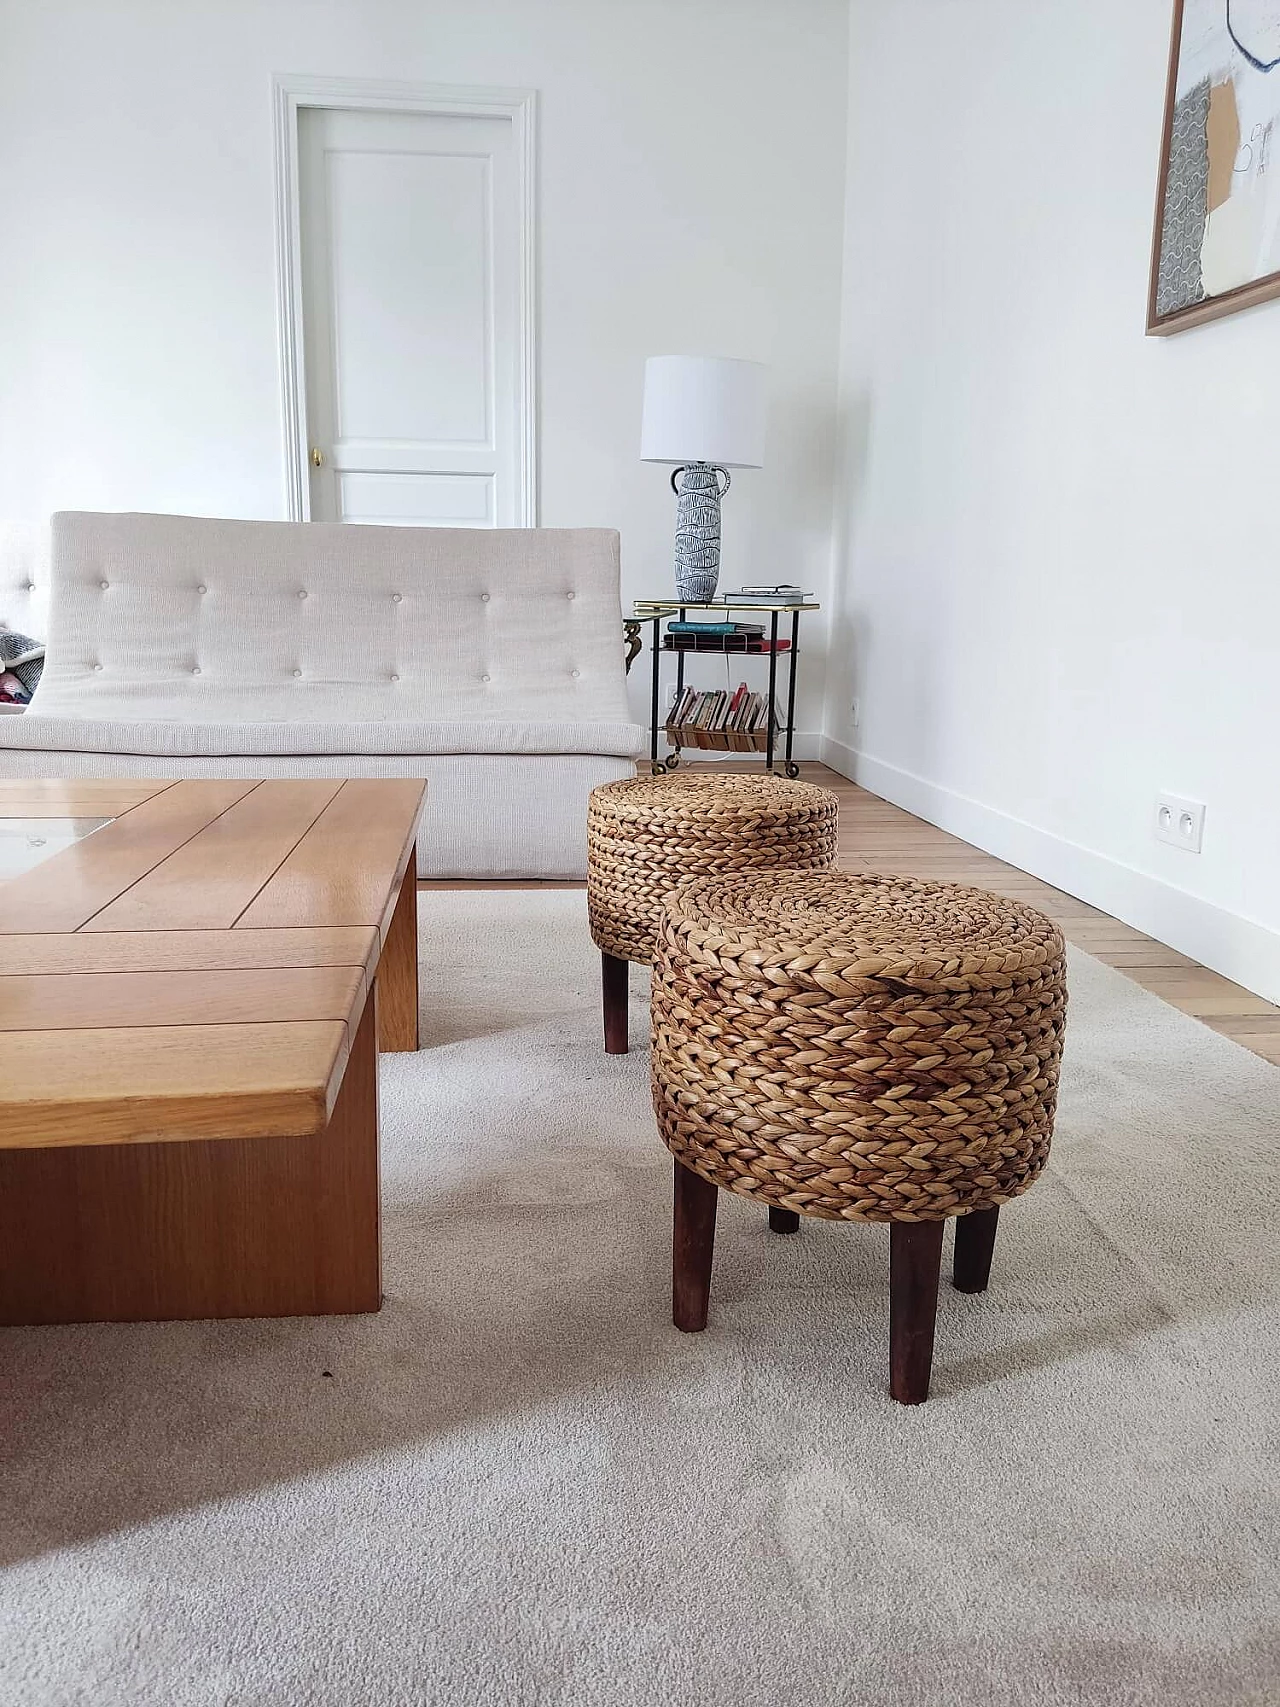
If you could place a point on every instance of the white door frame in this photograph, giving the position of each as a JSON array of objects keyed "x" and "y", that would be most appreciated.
[{"x": 290, "y": 93}]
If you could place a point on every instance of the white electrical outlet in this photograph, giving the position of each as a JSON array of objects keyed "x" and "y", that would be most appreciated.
[
  {"x": 1180, "y": 822},
  {"x": 855, "y": 712}
]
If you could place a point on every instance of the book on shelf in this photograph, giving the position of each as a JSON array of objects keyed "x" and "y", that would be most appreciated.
[
  {"x": 752, "y": 643},
  {"x": 675, "y": 626},
  {"x": 718, "y": 711}
]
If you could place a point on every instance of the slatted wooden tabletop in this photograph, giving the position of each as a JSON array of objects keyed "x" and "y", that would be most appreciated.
[{"x": 199, "y": 965}]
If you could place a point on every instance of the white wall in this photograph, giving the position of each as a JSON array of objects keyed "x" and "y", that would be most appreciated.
[
  {"x": 1057, "y": 548},
  {"x": 691, "y": 181}
]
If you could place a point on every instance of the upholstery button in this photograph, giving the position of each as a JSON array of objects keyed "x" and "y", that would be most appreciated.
[
  {"x": 195, "y": 669},
  {"x": 303, "y": 593},
  {"x": 571, "y": 595},
  {"x": 484, "y": 598},
  {"x": 395, "y": 598},
  {"x": 394, "y": 676},
  {"x": 202, "y": 589},
  {"x": 104, "y": 585},
  {"x": 29, "y": 586},
  {"x": 297, "y": 672},
  {"x": 97, "y": 666},
  {"x": 575, "y": 674},
  {"x": 484, "y": 678}
]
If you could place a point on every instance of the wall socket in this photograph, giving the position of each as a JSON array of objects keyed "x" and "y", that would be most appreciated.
[{"x": 1180, "y": 822}]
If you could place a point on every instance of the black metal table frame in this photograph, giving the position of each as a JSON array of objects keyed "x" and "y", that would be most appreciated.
[{"x": 657, "y": 724}]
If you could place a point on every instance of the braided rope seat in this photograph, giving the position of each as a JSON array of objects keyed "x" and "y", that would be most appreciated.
[
  {"x": 859, "y": 1048},
  {"x": 647, "y": 835}
]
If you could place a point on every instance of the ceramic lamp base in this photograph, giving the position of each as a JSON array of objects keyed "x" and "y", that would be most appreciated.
[{"x": 698, "y": 492}]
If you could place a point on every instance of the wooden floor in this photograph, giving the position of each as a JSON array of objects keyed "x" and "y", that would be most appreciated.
[{"x": 875, "y": 836}]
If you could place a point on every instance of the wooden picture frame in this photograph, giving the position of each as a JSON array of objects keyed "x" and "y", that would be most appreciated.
[{"x": 1161, "y": 320}]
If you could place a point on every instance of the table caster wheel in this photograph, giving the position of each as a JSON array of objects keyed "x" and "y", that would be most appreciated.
[
  {"x": 672, "y": 761},
  {"x": 793, "y": 771}
]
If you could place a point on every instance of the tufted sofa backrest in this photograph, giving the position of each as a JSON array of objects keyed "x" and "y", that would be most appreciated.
[
  {"x": 178, "y": 617},
  {"x": 24, "y": 577}
]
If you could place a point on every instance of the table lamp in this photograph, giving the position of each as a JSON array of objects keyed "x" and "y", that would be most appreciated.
[{"x": 706, "y": 414}]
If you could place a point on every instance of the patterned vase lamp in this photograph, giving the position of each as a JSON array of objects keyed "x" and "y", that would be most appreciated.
[{"x": 706, "y": 414}]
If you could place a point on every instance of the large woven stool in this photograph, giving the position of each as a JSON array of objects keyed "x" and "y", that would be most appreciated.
[
  {"x": 648, "y": 835},
  {"x": 856, "y": 1048}
]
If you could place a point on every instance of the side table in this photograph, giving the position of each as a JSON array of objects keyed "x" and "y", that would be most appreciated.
[{"x": 652, "y": 613}]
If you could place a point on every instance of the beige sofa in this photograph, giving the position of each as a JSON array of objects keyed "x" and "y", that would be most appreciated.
[{"x": 489, "y": 662}]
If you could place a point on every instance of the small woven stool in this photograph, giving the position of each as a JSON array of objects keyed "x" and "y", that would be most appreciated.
[
  {"x": 648, "y": 835},
  {"x": 856, "y": 1048}
]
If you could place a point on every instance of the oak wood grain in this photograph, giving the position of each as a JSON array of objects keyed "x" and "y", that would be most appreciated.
[
  {"x": 129, "y": 1085},
  {"x": 89, "y": 1000},
  {"x": 69, "y": 889},
  {"x": 176, "y": 951},
  {"x": 210, "y": 880},
  {"x": 397, "y": 976},
  {"x": 224, "y": 1228},
  {"x": 341, "y": 872},
  {"x": 86, "y": 797},
  {"x": 188, "y": 1050}
]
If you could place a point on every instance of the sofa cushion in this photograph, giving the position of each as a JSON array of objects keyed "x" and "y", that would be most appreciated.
[
  {"x": 36, "y": 731},
  {"x": 177, "y": 619}
]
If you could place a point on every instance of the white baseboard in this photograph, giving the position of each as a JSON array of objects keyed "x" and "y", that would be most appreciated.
[{"x": 1239, "y": 948}]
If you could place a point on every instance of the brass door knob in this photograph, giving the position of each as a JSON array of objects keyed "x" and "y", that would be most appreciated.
[{"x": 317, "y": 457}]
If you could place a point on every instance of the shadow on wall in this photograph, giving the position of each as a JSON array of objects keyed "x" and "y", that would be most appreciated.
[{"x": 865, "y": 653}]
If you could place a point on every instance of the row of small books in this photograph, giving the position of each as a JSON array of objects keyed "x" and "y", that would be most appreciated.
[{"x": 741, "y": 710}]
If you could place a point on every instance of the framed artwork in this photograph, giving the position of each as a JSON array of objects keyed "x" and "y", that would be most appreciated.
[{"x": 1217, "y": 232}]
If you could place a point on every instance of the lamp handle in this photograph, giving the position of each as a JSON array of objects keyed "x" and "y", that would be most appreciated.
[{"x": 684, "y": 467}]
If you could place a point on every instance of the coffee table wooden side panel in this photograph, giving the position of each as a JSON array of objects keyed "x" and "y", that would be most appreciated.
[
  {"x": 182, "y": 1084},
  {"x": 212, "y": 1228},
  {"x": 397, "y": 977}
]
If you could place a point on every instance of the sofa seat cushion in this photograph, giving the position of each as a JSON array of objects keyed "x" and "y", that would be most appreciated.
[{"x": 38, "y": 732}]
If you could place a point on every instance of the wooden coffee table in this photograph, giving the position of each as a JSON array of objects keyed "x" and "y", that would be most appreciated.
[{"x": 191, "y": 1002}]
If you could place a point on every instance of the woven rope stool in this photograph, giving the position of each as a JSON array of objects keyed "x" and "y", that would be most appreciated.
[
  {"x": 856, "y": 1048},
  {"x": 647, "y": 835}
]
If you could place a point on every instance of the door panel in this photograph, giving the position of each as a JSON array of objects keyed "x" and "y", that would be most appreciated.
[
  {"x": 410, "y": 258},
  {"x": 417, "y": 500}
]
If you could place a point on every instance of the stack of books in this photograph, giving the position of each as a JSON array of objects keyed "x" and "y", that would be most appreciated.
[
  {"x": 733, "y": 722},
  {"x": 719, "y": 637}
]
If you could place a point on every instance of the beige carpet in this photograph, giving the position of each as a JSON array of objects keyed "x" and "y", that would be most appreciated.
[{"x": 519, "y": 1484}]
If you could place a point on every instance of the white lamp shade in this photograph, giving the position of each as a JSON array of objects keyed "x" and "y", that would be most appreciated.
[{"x": 703, "y": 409}]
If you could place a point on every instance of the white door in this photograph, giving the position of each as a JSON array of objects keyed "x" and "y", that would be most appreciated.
[{"x": 410, "y": 244}]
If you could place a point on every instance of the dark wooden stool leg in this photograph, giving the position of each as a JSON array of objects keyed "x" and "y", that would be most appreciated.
[
  {"x": 975, "y": 1241},
  {"x": 915, "y": 1260},
  {"x": 783, "y": 1220},
  {"x": 614, "y": 975},
  {"x": 693, "y": 1246}
]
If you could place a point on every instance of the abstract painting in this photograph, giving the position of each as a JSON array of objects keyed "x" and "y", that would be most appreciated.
[{"x": 1217, "y": 236}]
